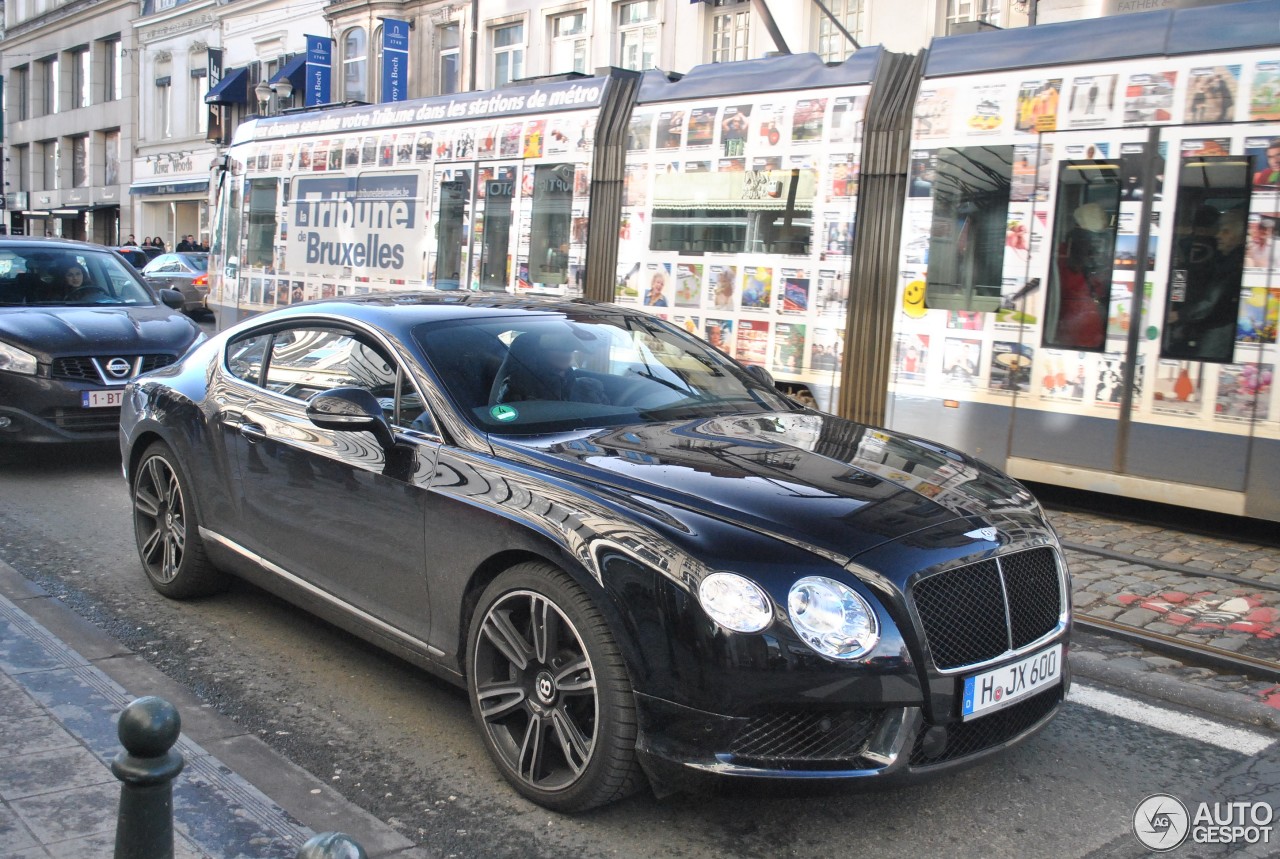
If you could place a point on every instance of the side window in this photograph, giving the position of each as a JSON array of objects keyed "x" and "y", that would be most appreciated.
[
  {"x": 1085, "y": 253},
  {"x": 245, "y": 357},
  {"x": 970, "y": 192}
]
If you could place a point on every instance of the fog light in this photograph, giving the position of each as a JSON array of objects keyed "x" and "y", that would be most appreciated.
[{"x": 5, "y": 423}]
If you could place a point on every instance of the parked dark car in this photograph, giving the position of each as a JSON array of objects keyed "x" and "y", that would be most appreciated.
[
  {"x": 76, "y": 324},
  {"x": 135, "y": 256},
  {"x": 639, "y": 558},
  {"x": 185, "y": 271}
]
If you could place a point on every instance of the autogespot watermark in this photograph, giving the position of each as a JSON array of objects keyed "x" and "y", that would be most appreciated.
[{"x": 1163, "y": 823}]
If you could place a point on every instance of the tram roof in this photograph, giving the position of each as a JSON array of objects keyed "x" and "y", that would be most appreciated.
[
  {"x": 1222, "y": 27},
  {"x": 768, "y": 74}
]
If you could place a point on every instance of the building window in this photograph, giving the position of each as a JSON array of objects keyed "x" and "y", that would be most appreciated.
[
  {"x": 834, "y": 46},
  {"x": 569, "y": 43},
  {"x": 49, "y": 102},
  {"x": 80, "y": 162},
  {"x": 959, "y": 11},
  {"x": 52, "y": 156},
  {"x": 450, "y": 72},
  {"x": 508, "y": 53},
  {"x": 22, "y": 91},
  {"x": 164, "y": 106},
  {"x": 355, "y": 65},
  {"x": 730, "y": 31},
  {"x": 375, "y": 85},
  {"x": 80, "y": 96},
  {"x": 111, "y": 157},
  {"x": 112, "y": 70},
  {"x": 18, "y": 169},
  {"x": 638, "y": 34},
  {"x": 200, "y": 88}
]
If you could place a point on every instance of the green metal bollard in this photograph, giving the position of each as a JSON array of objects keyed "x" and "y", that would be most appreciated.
[
  {"x": 331, "y": 845},
  {"x": 148, "y": 729}
]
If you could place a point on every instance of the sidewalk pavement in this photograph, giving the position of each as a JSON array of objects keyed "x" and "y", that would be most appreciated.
[{"x": 63, "y": 684}]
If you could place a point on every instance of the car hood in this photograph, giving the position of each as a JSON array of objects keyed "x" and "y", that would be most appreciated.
[
  {"x": 48, "y": 332},
  {"x": 811, "y": 479}
]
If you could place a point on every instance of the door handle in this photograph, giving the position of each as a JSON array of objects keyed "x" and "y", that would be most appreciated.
[{"x": 253, "y": 432}]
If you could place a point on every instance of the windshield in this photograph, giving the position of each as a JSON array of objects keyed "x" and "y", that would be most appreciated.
[
  {"x": 67, "y": 277},
  {"x": 550, "y": 373}
]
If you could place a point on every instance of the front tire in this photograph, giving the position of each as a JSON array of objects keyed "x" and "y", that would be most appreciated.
[
  {"x": 550, "y": 691},
  {"x": 167, "y": 531}
]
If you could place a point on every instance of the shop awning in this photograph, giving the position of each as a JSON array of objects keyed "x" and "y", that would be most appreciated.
[
  {"x": 294, "y": 71},
  {"x": 232, "y": 89},
  {"x": 184, "y": 185}
]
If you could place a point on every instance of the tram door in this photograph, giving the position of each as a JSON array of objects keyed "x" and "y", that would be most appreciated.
[{"x": 1131, "y": 368}]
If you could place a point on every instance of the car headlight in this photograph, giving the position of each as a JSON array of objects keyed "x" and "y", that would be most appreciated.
[
  {"x": 15, "y": 360},
  {"x": 832, "y": 618},
  {"x": 735, "y": 602}
]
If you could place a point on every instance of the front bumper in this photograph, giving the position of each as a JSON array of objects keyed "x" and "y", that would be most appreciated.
[
  {"x": 43, "y": 411},
  {"x": 685, "y": 749}
]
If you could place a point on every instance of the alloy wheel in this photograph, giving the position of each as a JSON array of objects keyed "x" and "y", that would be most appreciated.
[{"x": 159, "y": 517}]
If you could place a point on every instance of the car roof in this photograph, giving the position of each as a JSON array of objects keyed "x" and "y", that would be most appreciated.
[{"x": 51, "y": 244}]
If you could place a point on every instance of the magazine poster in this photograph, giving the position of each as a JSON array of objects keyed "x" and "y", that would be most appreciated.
[
  {"x": 720, "y": 335},
  {"x": 702, "y": 126},
  {"x": 1119, "y": 306},
  {"x": 586, "y": 132},
  {"x": 1264, "y": 166},
  {"x": 1201, "y": 146},
  {"x": 627, "y": 288},
  {"x": 846, "y": 119},
  {"x": 843, "y": 170},
  {"x": 1177, "y": 388},
  {"x": 320, "y": 156},
  {"x": 1259, "y": 314},
  {"x": 670, "y": 129},
  {"x": 688, "y": 285},
  {"x": 1260, "y": 253},
  {"x": 763, "y": 163},
  {"x": 1108, "y": 386},
  {"x": 1022, "y": 186},
  {"x": 1045, "y": 173},
  {"x": 924, "y": 164},
  {"x": 911, "y": 357},
  {"x": 1086, "y": 151},
  {"x": 753, "y": 342},
  {"x": 757, "y": 288},
  {"x": 277, "y": 157},
  {"x": 404, "y": 148},
  {"x": 1092, "y": 101},
  {"x": 1148, "y": 98},
  {"x": 735, "y": 126},
  {"x": 1017, "y": 238},
  {"x": 965, "y": 320},
  {"x": 832, "y": 298},
  {"x": 1062, "y": 374},
  {"x": 691, "y": 324},
  {"x": 722, "y": 287},
  {"x": 1264, "y": 97},
  {"x": 826, "y": 350},
  {"x": 1212, "y": 93},
  {"x": 697, "y": 167},
  {"x": 635, "y": 185},
  {"x": 268, "y": 290},
  {"x": 802, "y": 162},
  {"x": 789, "y": 347},
  {"x": 640, "y": 131},
  {"x": 986, "y": 116},
  {"x": 1244, "y": 392},
  {"x": 1010, "y": 367},
  {"x": 559, "y": 136},
  {"x": 933, "y": 112},
  {"x": 534, "y": 133},
  {"x": 463, "y": 146},
  {"x": 795, "y": 291},
  {"x": 424, "y": 147},
  {"x": 961, "y": 360},
  {"x": 808, "y": 120},
  {"x": 771, "y": 125},
  {"x": 732, "y": 165},
  {"x": 657, "y": 280},
  {"x": 838, "y": 234},
  {"x": 916, "y": 229},
  {"x": 1038, "y": 105}
]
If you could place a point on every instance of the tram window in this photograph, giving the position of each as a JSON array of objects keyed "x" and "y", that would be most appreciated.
[
  {"x": 1202, "y": 303},
  {"x": 1085, "y": 255},
  {"x": 966, "y": 238},
  {"x": 499, "y": 194},
  {"x": 260, "y": 248},
  {"x": 734, "y": 212},
  {"x": 551, "y": 223},
  {"x": 451, "y": 233}
]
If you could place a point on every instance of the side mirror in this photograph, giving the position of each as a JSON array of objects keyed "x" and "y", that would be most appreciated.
[
  {"x": 172, "y": 298},
  {"x": 351, "y": 410}
]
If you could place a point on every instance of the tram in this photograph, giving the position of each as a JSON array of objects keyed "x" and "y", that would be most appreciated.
[{"x": 1000, "y": 243}]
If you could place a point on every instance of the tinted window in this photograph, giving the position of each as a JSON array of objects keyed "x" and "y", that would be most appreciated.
[
  {"x": 67, "y": 276},
  {"x": 970, "y": 192}
]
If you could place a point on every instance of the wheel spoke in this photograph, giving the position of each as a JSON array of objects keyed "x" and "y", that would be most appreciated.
[
  {"x": 575, "y": 745},
  {"x": 178, "y": 534},
  {"x": 576, "y": 676},
  {"x": 170, "y": 557},
  {"x": 499, "y": 699},
  {"x": 159, "y": 481},
  {"x": 545, "y": 633},
  {"x": 173, "y": 493},
  {"x": 149, "y": 546},
  {"x": 146, "y": 503},
  {"x": 532, "y": 749},
  {"x": 504, "y": 636}
]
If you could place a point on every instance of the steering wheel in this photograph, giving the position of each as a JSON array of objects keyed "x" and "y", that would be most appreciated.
[{"x": 84, "y": 293}]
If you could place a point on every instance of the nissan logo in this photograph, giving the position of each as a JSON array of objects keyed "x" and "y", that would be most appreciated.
[{"x": 119, "y": 367}]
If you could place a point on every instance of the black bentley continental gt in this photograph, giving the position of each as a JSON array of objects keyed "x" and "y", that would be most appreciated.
[
  {"x": 640, "y": 559},
  {"x": 76, "y": 324}
]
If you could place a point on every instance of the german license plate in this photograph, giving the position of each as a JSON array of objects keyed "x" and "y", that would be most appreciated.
[
  {"x": 101, "y": 399},
  {"x": 1001, "y": 686}
]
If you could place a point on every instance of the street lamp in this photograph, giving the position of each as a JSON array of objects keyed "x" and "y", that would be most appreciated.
[
  {"x": 263, "y": 92},
  {"x": 283, "y": 88}
]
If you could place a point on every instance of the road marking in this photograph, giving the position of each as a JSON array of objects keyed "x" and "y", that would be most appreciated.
[{"x": 1240, "y": 740}]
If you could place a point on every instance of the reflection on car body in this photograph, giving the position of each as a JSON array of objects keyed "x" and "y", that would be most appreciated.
[{"x": 683, "y": 576}]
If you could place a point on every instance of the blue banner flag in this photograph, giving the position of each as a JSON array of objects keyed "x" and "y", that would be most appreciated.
[
  {"x": 395, "y": 60},
  {"x": 319, "y": 69}
]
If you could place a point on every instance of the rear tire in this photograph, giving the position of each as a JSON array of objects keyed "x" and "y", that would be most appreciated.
[
  {"x": 550, "y": 691},
  {"x": 167, "y": 531}
]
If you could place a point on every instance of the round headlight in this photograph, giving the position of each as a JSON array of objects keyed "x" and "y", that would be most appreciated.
[
  {"x": 735, "y": 602},
  {"x": 831, "y": 618}
]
